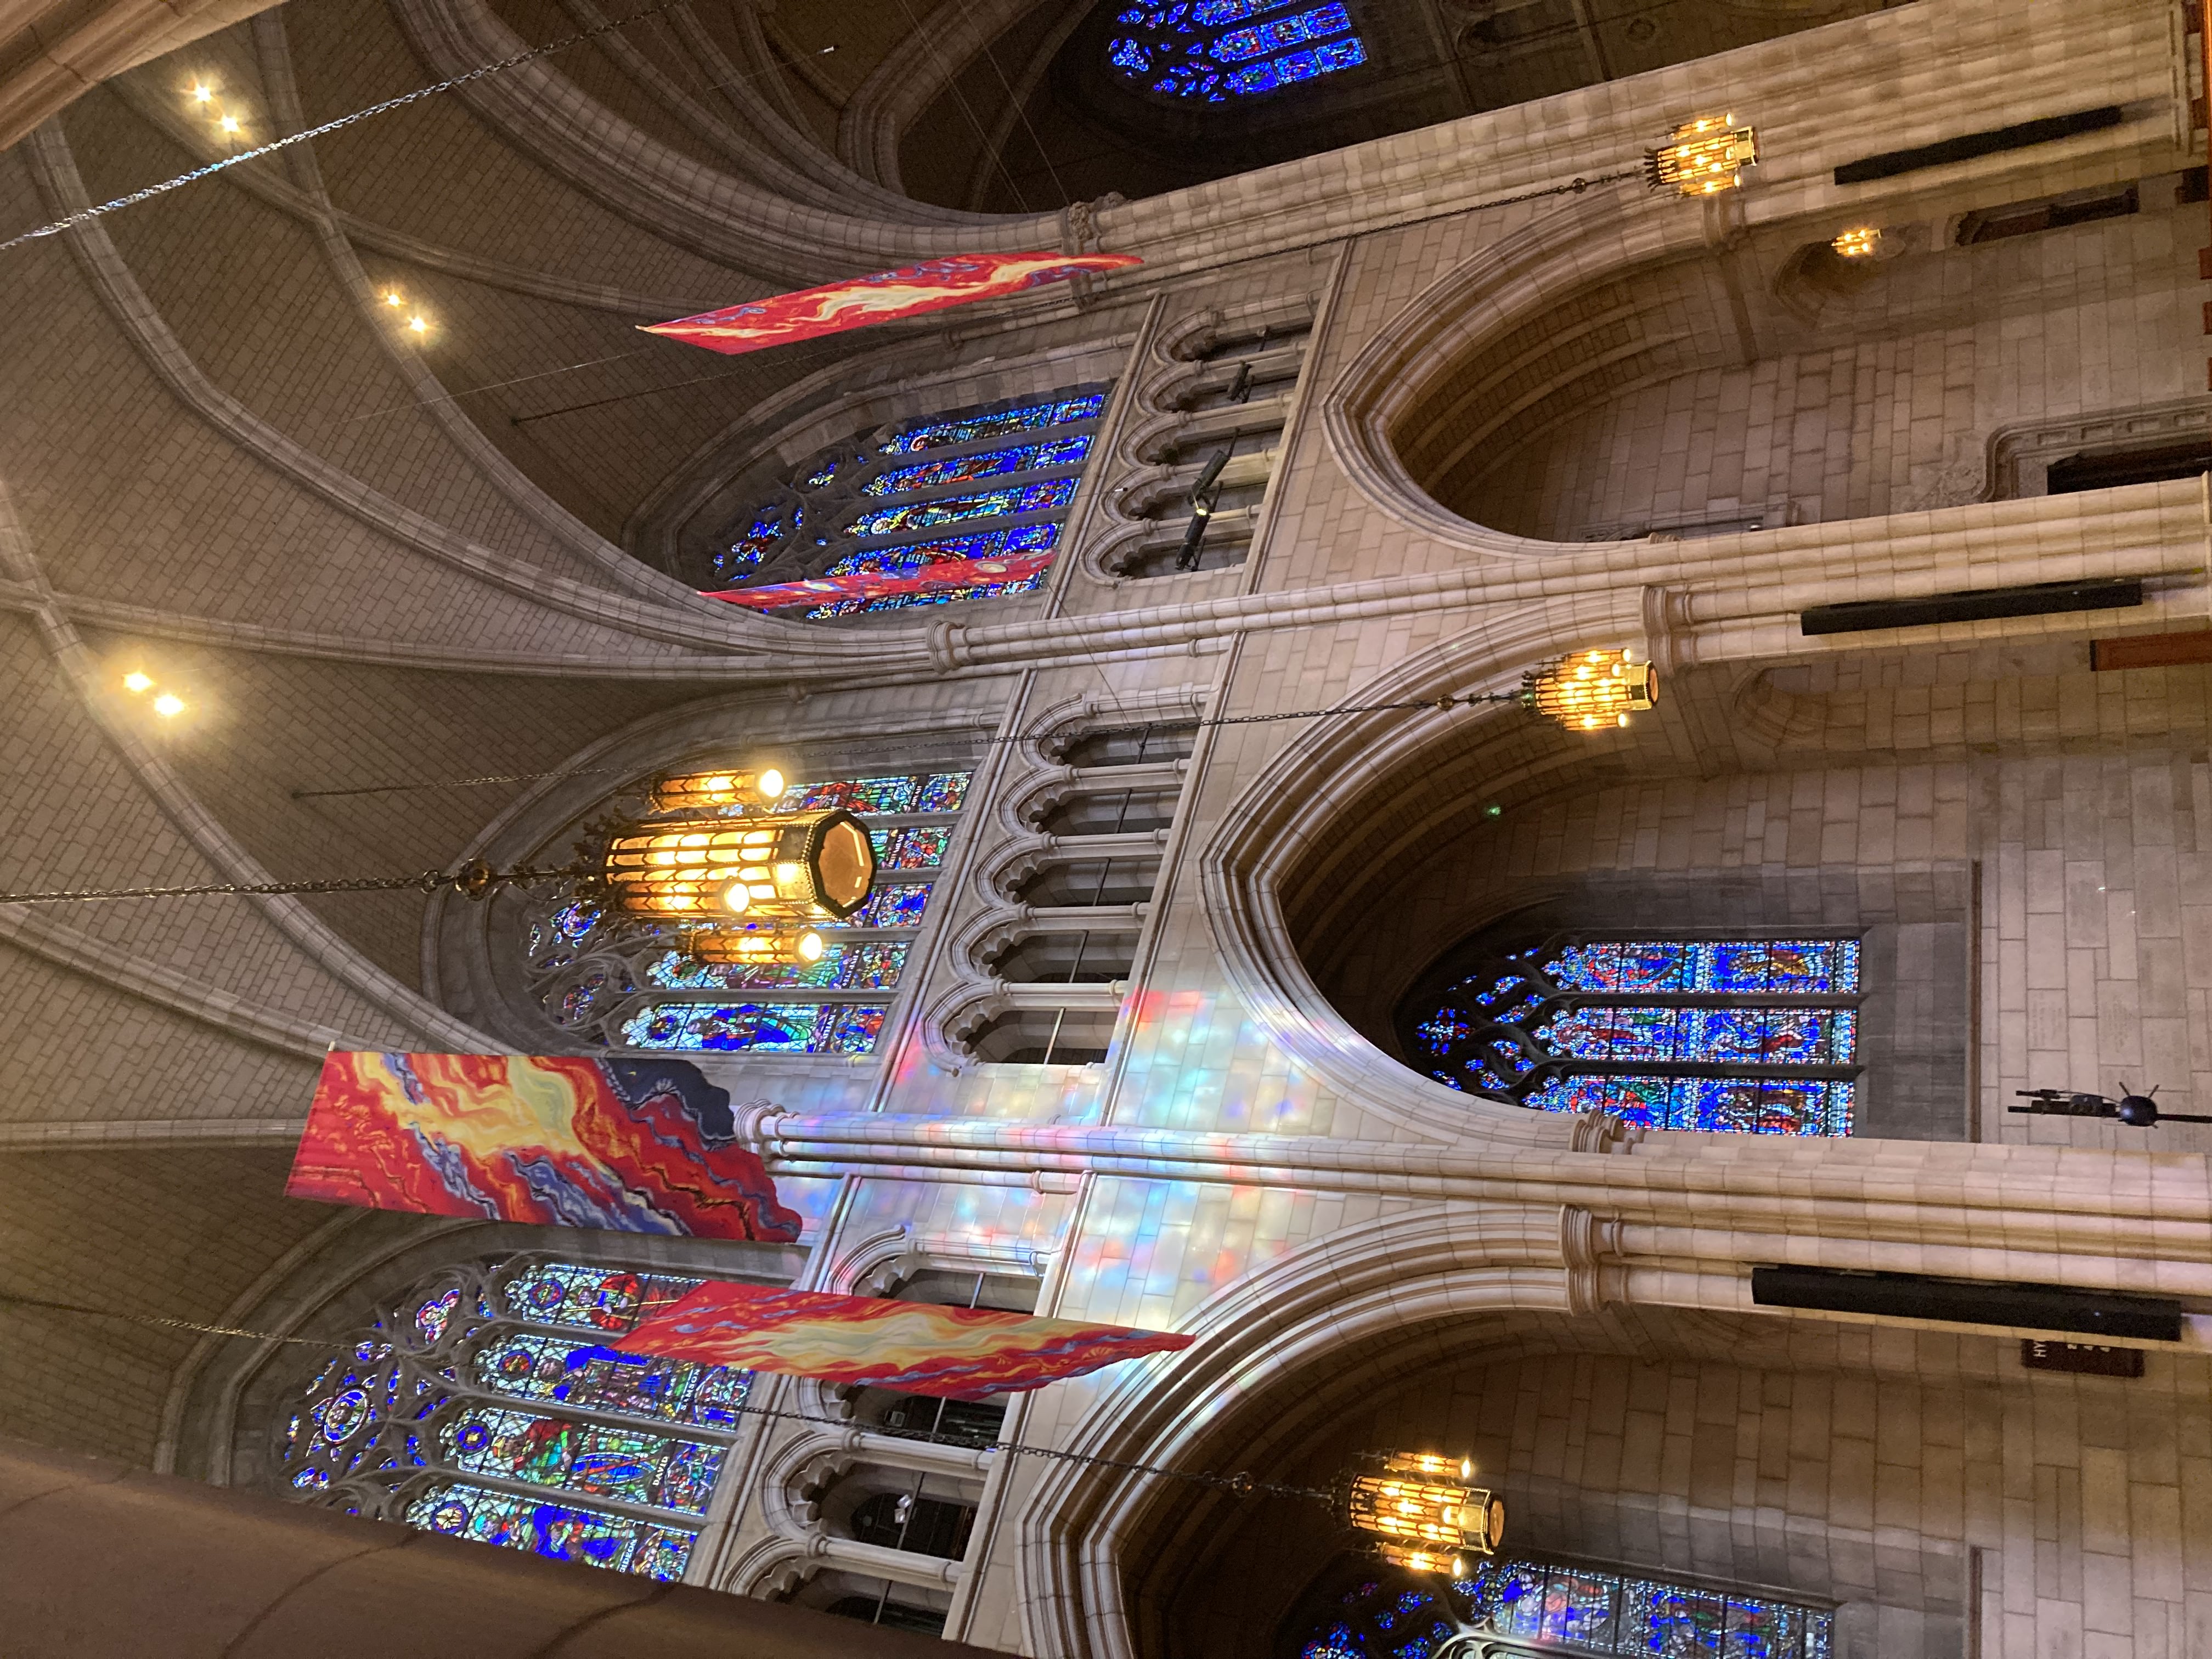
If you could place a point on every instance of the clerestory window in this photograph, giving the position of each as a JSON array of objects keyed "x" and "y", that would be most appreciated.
[
  {"x": 1212, "y": 51},
  {"x": 967, "y": 505},
  {"x": 1524, "y": 1604},
  {"x": 490, "y": 1408},
  {"x": 626, "y": 983},
  {"x": 1754, "y": 1036}
]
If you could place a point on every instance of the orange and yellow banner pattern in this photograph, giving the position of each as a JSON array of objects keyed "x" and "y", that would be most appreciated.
[
  {"x": 916, "y": 1347},
  {"x": 642, "y": 1146},
  {"x": 958, "y": 279}
]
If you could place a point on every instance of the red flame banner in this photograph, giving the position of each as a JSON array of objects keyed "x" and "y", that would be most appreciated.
[
  {"x": 869, "y": 585},
  {"x": 640, "y": 1146},
  {"x": 958, "y": 279},
  {"x": 916, "y": 1347}
]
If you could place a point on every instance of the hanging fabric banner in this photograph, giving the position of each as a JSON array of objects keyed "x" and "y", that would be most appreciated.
[
  {"x": 958, "y": 279},
  {"x": 638, "y": 1147},
  {"x": 916, "y": 1347},
  {"x": 943, "y": 576}
]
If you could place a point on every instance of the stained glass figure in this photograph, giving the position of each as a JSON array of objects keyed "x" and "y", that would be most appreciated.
[
  {"x": 1744, "y": 1035},
  {"x": 828, "y": 522},
  {"x": 1578, "y": 1608},
  {"x": 596, "y": 1459},
  {"x": 1212, "y": 51},
  {"x": 593, "y": 1298},
  {"x": 558, "y": 1531},
  {"x": 496, "y": 1359},
  {"x": 937, "y": 435},
  {"x": 639, "y": 988},
  {"x": 905, "y": 558},
  {"x": 985, "y": 464},
  {"x": 990, "y": 504}
]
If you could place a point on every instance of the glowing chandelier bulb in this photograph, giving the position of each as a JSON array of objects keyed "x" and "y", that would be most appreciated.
[
  {"x": 1593, "y": 690},
  {"x": 1702, "y": 157},
  {"x": 136, "y": 682},
  {"x": 726, "y": 790},
  {"x": 391, "y": 298},
  {"x": 203, "y": 93},
  {"x": 230, "y": 123},
  {"x": 1420, "y": 1510},
  {"x": 416, "y": 325},
  {"x": 1857, "y": 243},
  {"x": 168, "y": 705}
]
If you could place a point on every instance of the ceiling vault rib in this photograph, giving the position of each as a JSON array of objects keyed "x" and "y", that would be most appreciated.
[{"x": 307, "y": 930}]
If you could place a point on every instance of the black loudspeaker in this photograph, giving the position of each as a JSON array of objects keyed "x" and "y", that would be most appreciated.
[
  {"x": 1945, "y": 152},
  {"x": 1968, "y": 1302},
  {"x": 1975, "y": 605}
]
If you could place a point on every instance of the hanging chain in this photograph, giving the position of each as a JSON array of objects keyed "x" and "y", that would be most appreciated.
[
  {"x": 86, "y": 214},
  {"x": 1242, "y": 1483},
  {"x": 475, "y": 880},
  {"x": 1444, "y": 704}
]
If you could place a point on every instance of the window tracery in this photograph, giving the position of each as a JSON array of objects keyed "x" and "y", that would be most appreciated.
[
  {"x": 625, "y": 982},
  {"x": 490, "y": 1407},
  {"x": 1212, "y": 51},
  {"x": 850, "y": 522},
  {"x": 1755, "y": 1035},
  {"x": 1524, "y": 1603}
]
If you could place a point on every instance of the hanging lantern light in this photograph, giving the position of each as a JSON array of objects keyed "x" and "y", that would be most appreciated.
[
  {"x": 1702, "y": 157},
  {"x": 1593, "y": 690},
  {"x": 709, "y": 791},
  {"x": 777, "y": 867},
  {"x": 755, "y": 946},
  {"x": 1421, "y": 1512}
]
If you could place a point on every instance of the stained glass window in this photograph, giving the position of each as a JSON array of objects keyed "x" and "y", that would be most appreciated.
[
  {"x": 1212, "y": 51},
  {"x": 1752, "y": 1036},
  {"x": 1523, "y": 1602},
  {"x": 459, "y": 1414},
  {"x": 628, "y": 984},
  {"x": 867, "y": 513}
]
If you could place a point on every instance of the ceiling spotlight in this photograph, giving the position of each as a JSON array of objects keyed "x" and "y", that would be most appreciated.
[
  {"x": 230, "y": 123},
  {"x": 391, "y": 298},
  {"x": 201, "y": 93},
  {"x": 418, "y": 325},
  {"x": 168, "y": 705},
  {"x": 136, "y": 682}
]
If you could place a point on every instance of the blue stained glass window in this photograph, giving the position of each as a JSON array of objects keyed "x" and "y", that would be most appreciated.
[
  {"x": 537, "y": 1365},
  {"x": 906, "y": 558},
  {"x": 753, "y": 546},
  {"x": 992, "y": 504},
  {"x": 831, "y": 521},
  {"x": 555, "y": 1531},
  {"x": 940, "y": 433},
  {"x": 1339, "y": 1641},
  {"x": 986, "y": 464},
  {"x": 474, "y": 1389},
  {"x": 595, "y": 1459},
  {"x": 1212, "y": 51},
  {"x": 1797, "y": 967},
  {"x": 1237, "y": 44},
  {"x": 593, "y": 1298},
  {"x": 1743, "y": 1036},
  {"x": 836, "y": 1006},
  {"x": 1578, "y": 1608}
]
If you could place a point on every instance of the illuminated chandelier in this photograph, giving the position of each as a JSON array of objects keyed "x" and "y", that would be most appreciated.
[
  {"x": 1592, "y": 690},
  {"x": 1702, "y": 157},
  {"x": 1421, "y": 1512},
  {"x": 741, "y": 880}
]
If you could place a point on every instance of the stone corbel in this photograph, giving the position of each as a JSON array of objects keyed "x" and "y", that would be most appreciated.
[{"x": 1586, "y": 1244}]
